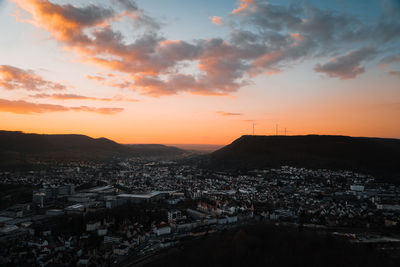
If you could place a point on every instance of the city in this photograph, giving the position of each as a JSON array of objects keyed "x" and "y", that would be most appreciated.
[
  {"x": 111, "y": 214},
  {"x": 146, "y": 133}
]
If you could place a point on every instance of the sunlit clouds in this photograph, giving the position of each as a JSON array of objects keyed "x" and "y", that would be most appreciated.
[
  {"x": 224, "y": 113},
  {"x": 24, "y": 107},
  {"x": 12, "y": 78},
  {"x": 81, "y": 97},
  {"x": 152, "y": 62},
  {"x": 217, "y": 20}
]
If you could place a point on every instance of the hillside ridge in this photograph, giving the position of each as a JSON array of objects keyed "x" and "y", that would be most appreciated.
[{"x": 371, "y": 155}]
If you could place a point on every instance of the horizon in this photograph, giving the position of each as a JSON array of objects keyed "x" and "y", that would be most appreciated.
[
  {"x": 200, "y": 147},
  {"x": 200, "y": 73}
]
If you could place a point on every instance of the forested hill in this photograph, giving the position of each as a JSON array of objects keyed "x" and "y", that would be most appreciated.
[
  {"x": 19, "y": 148},
  {"x": 372, "y": 155}
]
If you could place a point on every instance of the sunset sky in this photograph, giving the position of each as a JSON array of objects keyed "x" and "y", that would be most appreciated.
[{"x": 200, "y": 72}]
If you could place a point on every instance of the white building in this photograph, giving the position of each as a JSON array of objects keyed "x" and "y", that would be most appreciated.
[
  {"x": 357, "y": 188},
  {"x": 165, "y": 230}
]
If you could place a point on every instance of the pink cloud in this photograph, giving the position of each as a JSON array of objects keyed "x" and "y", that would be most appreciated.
[
  {"x": 15, "y": 78},
  {"x": 24, "y": 107},
  {"x": 217, "y": 20},
  {"x": 154, "y": 65},
  {"x": 81, "y": 97},
  {"x": 244, "y": 4}
]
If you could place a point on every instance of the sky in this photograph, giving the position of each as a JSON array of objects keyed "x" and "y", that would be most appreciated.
[{"x": 200, "y": 72}]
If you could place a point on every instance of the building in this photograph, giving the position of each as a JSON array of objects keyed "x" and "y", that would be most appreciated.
[
  {"x": 164, "y": 230},
  {"x": 121, "y": 250},
  {"x": 196, "y": 214},
  {"x": 144, "y": 198},
  {"x": 174, "y": 215},
  {"x": 75, "y": 209},
  {"x": 102, "y": 231},
  {"x": 54, "y": 212},
  {"x": 39, "y": 198},
  {"x": 113, "y": 201},
  {"x": 92, "y": 226},
  {"x": 357, "y": 188},
  {"x": 81, "y": 197}
]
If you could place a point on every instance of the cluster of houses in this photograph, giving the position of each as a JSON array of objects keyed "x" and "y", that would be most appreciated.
[{"x": 193, "y": 202}]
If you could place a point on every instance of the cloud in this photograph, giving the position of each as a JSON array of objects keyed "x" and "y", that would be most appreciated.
[
  {"x": 81, "y": 97},
  {"x": 317, "y": 32},
  {"x": 23, "y": 107},
  {"x": 101, "y": 110},
  {"x": 391, "y": 59},
  {"x": 223, "y": 113},
  {"x": 152, "y": 64},
  {"x": 346, "y": 66},
  {"x": 15, "y": 78},
  {"x": 244, "y": 4},
  {"x": 127, "y": 4},
  {"x": 267, "y": 39},
  {"x": 394, "y": 73},
  {"x": 217, "y": 20}
]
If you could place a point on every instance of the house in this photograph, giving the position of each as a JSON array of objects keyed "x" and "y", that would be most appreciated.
[
  {"x": 92, "y": 226},
  {"x": 121, "y": 250},
  {"x": 102, "y": 231},
  {"x": 164, "y": 230},
  {"x": 174, "y": 215}
]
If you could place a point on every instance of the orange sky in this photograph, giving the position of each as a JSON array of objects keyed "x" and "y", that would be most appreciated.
[{"x": 130, "y": 72}]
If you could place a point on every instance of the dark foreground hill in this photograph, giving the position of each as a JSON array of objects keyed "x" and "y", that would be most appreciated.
[
  {"x": 267, "y": 245},
  {"x": 19, "y": 148},
  {"x": 371, "y": 155}
]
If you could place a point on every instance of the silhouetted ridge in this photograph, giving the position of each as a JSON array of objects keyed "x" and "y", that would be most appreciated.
[
  {"x": 373, "y": 155},
  {"x": 37, "y": 143},
  {"x": 19, "y": 148},
  {"x": 156, "y": 149}
]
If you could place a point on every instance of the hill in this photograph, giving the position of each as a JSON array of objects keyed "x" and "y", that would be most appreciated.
[
  {"x": 18, "y": 148},
  {"x": 371, "y": 155},
  {"x": 269, "y": 245},
  {"x": 156, "y": 150}
]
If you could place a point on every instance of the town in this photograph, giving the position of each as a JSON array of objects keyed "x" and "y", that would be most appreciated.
[{"x": 122, "y": 212}]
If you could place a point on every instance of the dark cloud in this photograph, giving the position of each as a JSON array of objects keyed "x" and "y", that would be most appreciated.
[
  {"x": 346, "y": 66},
  {"x": 391, "y": 59},
  {"x": 24, "y": 107},
  {"x": 86, "y": 16},
  {"x": 15, "y": 78}
]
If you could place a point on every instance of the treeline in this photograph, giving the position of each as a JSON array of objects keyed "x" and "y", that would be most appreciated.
[
  {"x": 11, "y": 194},
  {"x": 267, "y": 245}
]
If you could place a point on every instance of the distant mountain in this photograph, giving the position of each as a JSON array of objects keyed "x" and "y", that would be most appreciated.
[
  {"x": 371, "y": 155},
  {"x": 20, "y": 148},
  {"x": 156, "y": 150},
  {"x": 199, "y": 148}
]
